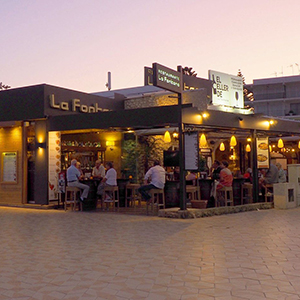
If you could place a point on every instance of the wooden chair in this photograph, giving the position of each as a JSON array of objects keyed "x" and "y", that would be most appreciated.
[
  {"x": 113, "y": 191},
  {"x": 225, "y": 194},
  {"x": 72, "y": 191},
  {"x": 247, "y": 193},
  {"x": 157, "y": 199},
  {"x": 131, "y": 195}
]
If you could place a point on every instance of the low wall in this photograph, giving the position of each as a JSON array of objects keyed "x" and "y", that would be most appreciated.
[{"x": 192, "y": 213}]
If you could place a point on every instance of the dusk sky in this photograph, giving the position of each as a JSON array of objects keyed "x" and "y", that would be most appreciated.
[{"x": 74, "y": 43}]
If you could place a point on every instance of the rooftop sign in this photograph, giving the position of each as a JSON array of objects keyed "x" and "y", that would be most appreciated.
[
  {"x": 227, "y": 89},
  {"x": 166, "y": 78}
]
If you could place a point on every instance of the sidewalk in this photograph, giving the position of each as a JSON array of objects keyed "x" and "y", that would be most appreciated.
[{"x": 51, "y": 254}]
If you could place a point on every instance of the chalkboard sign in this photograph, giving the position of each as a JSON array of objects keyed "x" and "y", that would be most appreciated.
[{"x": 191, "y": 151}]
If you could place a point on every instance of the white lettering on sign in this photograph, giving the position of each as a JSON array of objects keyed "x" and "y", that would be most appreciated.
[{"x": 75, "y": 105}]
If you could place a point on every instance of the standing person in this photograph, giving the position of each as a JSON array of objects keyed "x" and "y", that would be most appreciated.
[
  {"x": 73, "y": 176},
  {"x": 157, "y": 176},
  {"x": 281, "y": 173},
  {"x": 110, "y": 179},
  {"x": 98, "y": 170}
]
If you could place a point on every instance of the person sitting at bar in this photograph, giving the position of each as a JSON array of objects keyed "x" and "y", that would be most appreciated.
[
  {"x": 215, "y": 175},
  {"x": 78, "y": 166},
  {"x": 248, "y": 175},
  {"x": 226, "y": 177},
  {"x": 110, "y": 179},
  {"x": 269, "y": 176},
  {"x": 99, "y": 170},
  {"x": 73, "y": 175},
  {"x": 215, "y": 170},
  {"x": 281, "y": 173},
  {"x": 157, "y": 176}
]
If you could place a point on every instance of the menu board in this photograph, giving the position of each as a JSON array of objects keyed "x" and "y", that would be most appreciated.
[
  {"x": 262, "y": 153},
  {"x": 9, "y": 167},
  {"x": 54, "y": 142},
  {"x": 191, "y": 151}
]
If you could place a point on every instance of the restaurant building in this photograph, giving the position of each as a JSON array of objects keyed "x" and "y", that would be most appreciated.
[{"x": 43, "y": 127}]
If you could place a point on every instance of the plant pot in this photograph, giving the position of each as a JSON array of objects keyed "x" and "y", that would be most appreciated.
[{"x": 201, "y": 204}]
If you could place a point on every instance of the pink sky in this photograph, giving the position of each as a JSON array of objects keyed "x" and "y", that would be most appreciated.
[{"x": 73, "y": 44}]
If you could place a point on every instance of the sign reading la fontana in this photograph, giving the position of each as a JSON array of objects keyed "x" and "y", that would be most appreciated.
[{"x": 75, "y": 105}]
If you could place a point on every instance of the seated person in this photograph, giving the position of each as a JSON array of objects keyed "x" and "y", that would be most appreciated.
[
  {"x": 281, "y": 173},
  {"x": 99, "y": 170},
  {"x": 157, "y": 174},
  {"x": 110, "y": 179},
  {"x": 215, "y": 170},
  {"x": 73, "y": 176},
  {"x": 248, "y": 175},
  {"x": 78, "y": 166},
  {"x": 269, "y": 176},
  {"x": 191, "y": 177},
  {"x": 226, "y": 177}
]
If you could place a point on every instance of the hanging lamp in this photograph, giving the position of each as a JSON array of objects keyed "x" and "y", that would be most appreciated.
[
  {"x": 167, "y": 137},
  {"x": 280, "y": 143},
  {"x": 222, "y": 147},
  {"x": 248, "y": 148},
  {"x": 299, "y": 144},
  {"x": 233, "y": 141},
  {"x": 203, "y": 141}
]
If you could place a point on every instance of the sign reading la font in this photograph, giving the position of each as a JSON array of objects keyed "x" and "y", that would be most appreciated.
[
  {"x": 227, "y": 89},
  {"x": 166, "y": 78}
]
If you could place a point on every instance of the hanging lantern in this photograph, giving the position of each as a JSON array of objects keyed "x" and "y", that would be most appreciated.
[
  {"x": 203, "y": 142},
  {"x": 167, "y": 137},
  {"x": 270, "y": 148},
  {"x": 222, "y": 147},
  {"x": 280, "y": 143},
  {"x": 248, "y": 148},
  {"x": 299, "y": 144},
  {"x": 233, "y": 141}
]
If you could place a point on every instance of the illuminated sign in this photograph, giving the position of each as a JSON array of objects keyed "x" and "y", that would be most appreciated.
[
  {"x": 166, "y": 78},
  {"x": 75, "y": 106},
  {"x": 227, "y": 89}
]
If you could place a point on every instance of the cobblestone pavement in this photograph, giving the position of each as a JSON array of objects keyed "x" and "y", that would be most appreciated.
[{"x": 49, "y": 254}]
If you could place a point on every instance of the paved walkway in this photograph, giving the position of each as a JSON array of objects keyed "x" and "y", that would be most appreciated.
[{"x": 48, "y": 254}]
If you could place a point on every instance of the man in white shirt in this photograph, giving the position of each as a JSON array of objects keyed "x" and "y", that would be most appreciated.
[
  {"x": 73, "y": 176},
  {"x": 110, "y": 179},
  {"x": 157, "y": 174},
  {"x": 98, "y": 170}
]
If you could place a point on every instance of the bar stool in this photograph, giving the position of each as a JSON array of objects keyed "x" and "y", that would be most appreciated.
[
  {"x": 131, "y": 194},
  {"x": 156, "y": 196},
  {"x": 247, "y": 193},
  {"x": 193, "y": 191},
  {"x": 72, "y": 191},
  {"x": 268, "y": 194},
  {"x": 226, "y": 193},
  {"x": 114, "y": 192}
]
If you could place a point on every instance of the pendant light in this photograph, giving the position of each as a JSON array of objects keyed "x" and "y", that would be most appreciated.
[
  {"x": 203, "y": 142},
  {"x": 248, "y": 148},
  {"x": 167, "y": 137},
  {"x": 280, "y": 143},
  {"x": 233, "y": 141},
  {"x": 222, "y": 147},
  {"x": 299, "y": 144},
  {"x": 270, "y": 148}
]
